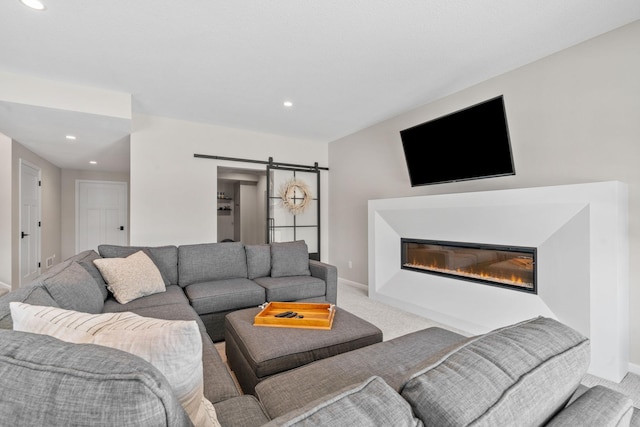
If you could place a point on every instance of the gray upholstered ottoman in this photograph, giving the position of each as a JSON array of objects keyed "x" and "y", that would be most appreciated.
[{"x": 255, "y": 353}]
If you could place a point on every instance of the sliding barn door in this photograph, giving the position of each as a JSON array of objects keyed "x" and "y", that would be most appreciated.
[{"x": 293, "y": 206}]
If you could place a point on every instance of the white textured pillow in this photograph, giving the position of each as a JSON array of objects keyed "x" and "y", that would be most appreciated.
[
  {"x": 174, "y": 347},
  {"x": 132, "y": 277}
]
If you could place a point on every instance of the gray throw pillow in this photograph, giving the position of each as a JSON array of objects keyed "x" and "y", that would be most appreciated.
[
  {"x": 290, "y": 259},
  {"x": 373, "y": 403},
  {"x": 258, "y": 260},
  {"x": 95, "y": 273},
  {"x": 73, "y": 288}
]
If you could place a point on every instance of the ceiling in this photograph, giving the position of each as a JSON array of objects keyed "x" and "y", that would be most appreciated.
[{"x": 344, "y": 64}]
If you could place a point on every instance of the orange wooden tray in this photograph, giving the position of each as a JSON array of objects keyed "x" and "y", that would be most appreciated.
[{"x": 316, "y": 315}]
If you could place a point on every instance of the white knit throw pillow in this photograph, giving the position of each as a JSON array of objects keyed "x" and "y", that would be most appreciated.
[{"x": 174, "y": 347}]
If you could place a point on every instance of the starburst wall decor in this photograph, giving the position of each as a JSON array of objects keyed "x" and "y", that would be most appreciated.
[{"x": 296, "y": 196}]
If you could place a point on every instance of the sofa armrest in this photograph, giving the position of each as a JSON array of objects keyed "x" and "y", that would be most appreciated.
[
  {"x": 599, "y": 406},
  {"x": 328, "y": 273}
]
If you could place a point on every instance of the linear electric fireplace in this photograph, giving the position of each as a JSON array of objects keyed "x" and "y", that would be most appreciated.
[{"x": 512, "y": 267}]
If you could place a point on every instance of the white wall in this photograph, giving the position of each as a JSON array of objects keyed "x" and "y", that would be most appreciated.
[
  {"x": 173, "y": 194},
  {"x": 573, "y": 118},
  {"x": 5, "y": 209}
]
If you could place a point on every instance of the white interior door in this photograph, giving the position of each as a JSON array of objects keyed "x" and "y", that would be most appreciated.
[
  {"x": 29, "y": 222},
  {"x": 102, "y": 214}
]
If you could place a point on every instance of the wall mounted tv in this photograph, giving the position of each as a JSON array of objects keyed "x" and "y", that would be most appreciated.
[{"x": 471, "y": 143}]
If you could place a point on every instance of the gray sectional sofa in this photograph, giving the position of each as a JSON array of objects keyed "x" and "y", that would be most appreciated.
[
  {"x": 217, "y": 278},
  {"x": 526, "y": 374}
]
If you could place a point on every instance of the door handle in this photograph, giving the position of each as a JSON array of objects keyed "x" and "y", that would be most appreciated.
[
  {"x": 23, "y": 234},
  {"x": 121, "y": 228}
]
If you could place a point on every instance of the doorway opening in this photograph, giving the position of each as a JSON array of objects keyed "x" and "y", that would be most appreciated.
[{"x": 241, "y": 205}]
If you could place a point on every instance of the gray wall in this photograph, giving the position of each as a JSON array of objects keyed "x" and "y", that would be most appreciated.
[{"x": 573, "y": 118}]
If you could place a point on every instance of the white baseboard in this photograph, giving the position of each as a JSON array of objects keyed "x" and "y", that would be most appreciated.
[
  {"x": 352, "y": 283},
  {"x": 5, "y": 286},
  {"x": 634, "y": 369}
]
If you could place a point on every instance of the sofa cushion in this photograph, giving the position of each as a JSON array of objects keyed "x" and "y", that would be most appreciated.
[
  {"x": 49, "y": 382},
  {"x": 85, "y": 260},
  {"x": 598, "y": 406},
  {"x": 211, "y": 261},
  {"x": 258, "y": 260},
  {"x": 518, "y": 375},
  {"x": 95, "y": 273},
  {"x": 174, "y": 347},
  {"x": 222, "y": 295},
  {"x": 243, "y": 411},
  {"x": 73, "y": 288},
  {"x": 152, "y": 257},
  {"x": 289, "y": 259},
  {"x": 35, "y": 294},
  {"x": 292, "y": 288},
  {"x": 165, "y": 257},
  {"x": 172, "y": 295},
  {"x": 132, "y": 277},
  {"x": 372, "y": 403}
]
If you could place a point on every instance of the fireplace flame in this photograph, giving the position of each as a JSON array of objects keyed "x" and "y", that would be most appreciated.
[
  {"x": 487, "y": 276},
  {"x": 490, "y": 272}
]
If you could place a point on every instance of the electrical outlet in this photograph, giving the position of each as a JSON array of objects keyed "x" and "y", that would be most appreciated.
[
  {"x": 49, "y": 261},
  {"x": 350, "y": 264}
]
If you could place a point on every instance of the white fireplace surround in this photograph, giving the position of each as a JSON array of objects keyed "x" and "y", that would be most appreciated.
[{"x": 580, "y": 231}]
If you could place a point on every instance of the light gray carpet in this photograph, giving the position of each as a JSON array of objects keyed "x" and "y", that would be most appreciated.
[{"x": 395, "y": 322}]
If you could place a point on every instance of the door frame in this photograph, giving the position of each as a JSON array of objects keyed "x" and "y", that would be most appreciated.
[
  {"x": 77, "y": 207},
  {"x": 22, "y": 162}
]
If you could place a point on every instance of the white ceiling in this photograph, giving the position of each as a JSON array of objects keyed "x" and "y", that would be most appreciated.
[{"x": 345, "y": 64}]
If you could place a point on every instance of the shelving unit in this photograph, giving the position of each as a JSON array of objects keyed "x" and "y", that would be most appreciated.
[{"x": 225, "y": 206}]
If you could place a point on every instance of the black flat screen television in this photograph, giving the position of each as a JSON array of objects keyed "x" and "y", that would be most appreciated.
[{"x": 472, "y": 143}]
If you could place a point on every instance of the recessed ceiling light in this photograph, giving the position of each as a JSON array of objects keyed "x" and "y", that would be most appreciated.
[
  {"x": 288, "y": 104},
  {"x": 33, "y": 4},
  {"x": 93, "y": 162},
  {"x": 71, "y": 137}
]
